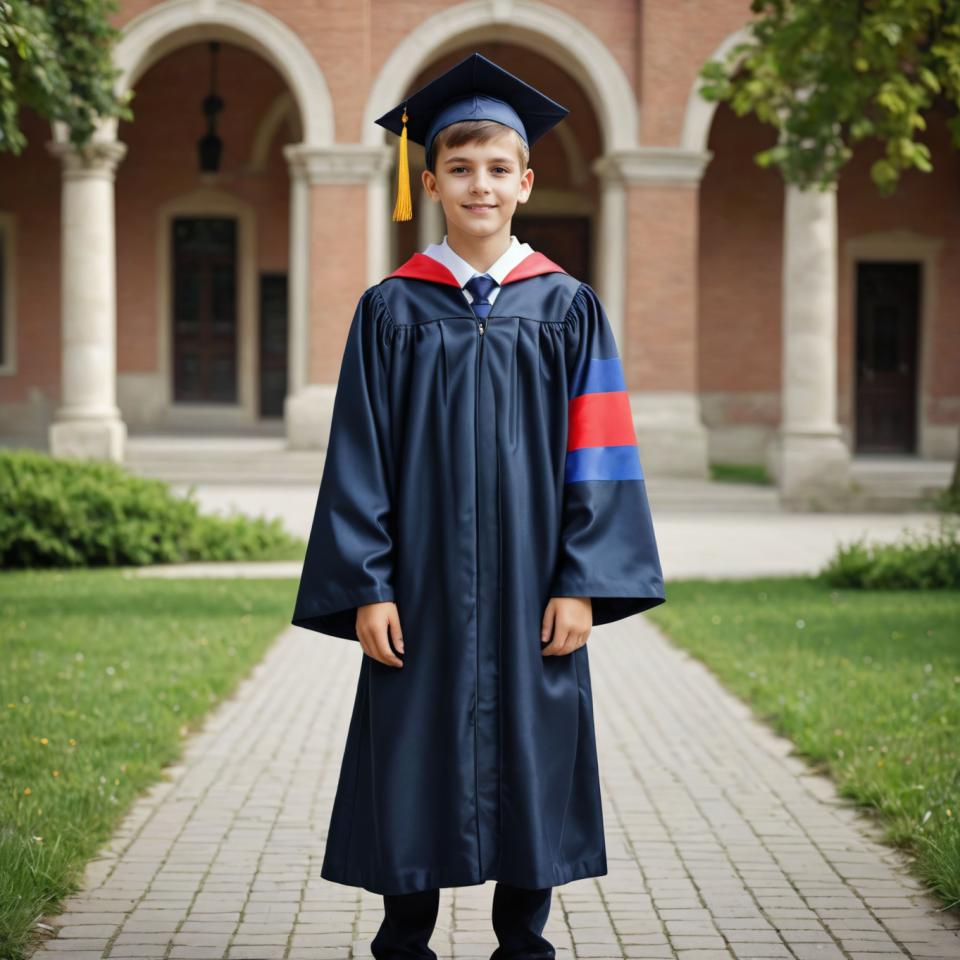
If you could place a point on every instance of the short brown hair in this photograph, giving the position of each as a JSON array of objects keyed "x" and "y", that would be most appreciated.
[{"x": 466, "y": 131}]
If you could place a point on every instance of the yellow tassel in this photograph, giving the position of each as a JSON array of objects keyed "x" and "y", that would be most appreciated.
[{"x": 404, "y": 208}]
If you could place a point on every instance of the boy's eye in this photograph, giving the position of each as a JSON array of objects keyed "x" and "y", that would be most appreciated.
[{"x": 499, "y": 169}]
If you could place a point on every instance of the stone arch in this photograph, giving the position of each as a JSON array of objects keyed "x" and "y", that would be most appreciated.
[
  {"x": 163, "y": 28},
  {"x": 281, "y": 116},
  {"x": 699, "y": 113},
  {"x": 168, "y": 26},
  {"x": 551, "y": 32}
]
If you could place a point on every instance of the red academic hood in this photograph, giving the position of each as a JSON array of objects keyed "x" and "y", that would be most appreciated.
[{"x": 422, "y": 267}]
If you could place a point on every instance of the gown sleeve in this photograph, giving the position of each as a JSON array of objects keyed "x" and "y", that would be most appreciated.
[
  {"x": 349, "y": 556},
  {"x": 608, "y": 550}
]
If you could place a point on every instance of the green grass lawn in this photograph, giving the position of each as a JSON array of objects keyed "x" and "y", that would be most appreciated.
[
  {"x": 865, "y": 682},
  {"x": 101, "y": 677}
]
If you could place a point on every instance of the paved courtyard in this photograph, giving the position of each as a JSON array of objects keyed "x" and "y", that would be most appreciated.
[{"x": 720, "y": 843}]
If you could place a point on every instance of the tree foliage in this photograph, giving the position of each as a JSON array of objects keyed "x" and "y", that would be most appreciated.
[
  {"x": 56, "y": 58},
  {"x": 830, "y": 73}
]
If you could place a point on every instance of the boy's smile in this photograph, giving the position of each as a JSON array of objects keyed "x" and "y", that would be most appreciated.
[{"x": 479, "y": 186}]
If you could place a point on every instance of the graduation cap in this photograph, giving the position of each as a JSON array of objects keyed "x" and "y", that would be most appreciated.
[{"x": 475, "y": 89}]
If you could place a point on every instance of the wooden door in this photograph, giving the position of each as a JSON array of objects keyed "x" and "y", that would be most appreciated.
[
  {"x": 888, "y": 311},
  {"x": 204, "y": 298},
  {"x": 565, "y": 240}
]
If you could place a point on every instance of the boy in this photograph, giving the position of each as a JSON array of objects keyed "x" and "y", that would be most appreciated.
[{"x": 483, "y": 501}]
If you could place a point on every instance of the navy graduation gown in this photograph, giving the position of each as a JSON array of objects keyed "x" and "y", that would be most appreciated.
[{"x": 470, "y": 476}]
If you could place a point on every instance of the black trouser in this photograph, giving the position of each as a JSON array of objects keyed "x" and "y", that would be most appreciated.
[{"x": 519, "y": 916}]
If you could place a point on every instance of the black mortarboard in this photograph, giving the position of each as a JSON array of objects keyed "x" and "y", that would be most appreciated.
[{"x": 475, "y": 89}]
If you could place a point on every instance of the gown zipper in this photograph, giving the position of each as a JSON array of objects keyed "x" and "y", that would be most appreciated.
[{"x": 476, "y": 708}]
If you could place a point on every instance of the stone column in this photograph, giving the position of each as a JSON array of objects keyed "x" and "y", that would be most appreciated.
[
  {"x": 612, "y": 251},
  {"x": 380, "y": 203},
  {"x": 809, "y": 458},
  {"x": 340, "y": 184},
  {"x": 659, "y": 263},
  {"x": 88, "y": 424},
  {"x": 298, "y": 325}
]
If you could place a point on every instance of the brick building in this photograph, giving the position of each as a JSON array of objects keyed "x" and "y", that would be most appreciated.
[{"x": 756, "y": 323}]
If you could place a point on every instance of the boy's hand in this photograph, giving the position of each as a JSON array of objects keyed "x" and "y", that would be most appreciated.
[
  {"x": 569, "y": 619},
  {"x": 373, "y": 620}
]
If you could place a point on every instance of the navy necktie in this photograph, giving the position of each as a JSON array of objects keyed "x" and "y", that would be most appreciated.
[{"x": 480, "y": 287}]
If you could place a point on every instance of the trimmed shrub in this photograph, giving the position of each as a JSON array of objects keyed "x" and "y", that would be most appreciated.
[
  {"x": 74, "y": 513},
  {"x": 917, "y": 560}
]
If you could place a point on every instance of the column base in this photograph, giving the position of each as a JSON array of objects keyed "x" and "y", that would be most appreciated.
[
  {"x": 307, "y": 416},
  {"x": 671, "y": 437},
  {"x": 99, "y": 439},
  {"x": 812, "y": 471}
]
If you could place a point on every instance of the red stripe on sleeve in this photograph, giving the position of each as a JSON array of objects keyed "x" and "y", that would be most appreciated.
[{"x": 600, "y": 420}]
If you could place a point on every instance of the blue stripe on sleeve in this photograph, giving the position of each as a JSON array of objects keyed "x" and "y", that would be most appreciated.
[
  {"x": 603, "y": 463},
  {"x": 601, "y": 376}
]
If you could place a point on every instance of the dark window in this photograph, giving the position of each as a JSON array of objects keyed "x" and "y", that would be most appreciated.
[{"x": 273, "y": 343}]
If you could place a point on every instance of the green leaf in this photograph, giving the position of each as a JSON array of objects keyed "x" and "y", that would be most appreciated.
[{"x": 930, "y": 79}]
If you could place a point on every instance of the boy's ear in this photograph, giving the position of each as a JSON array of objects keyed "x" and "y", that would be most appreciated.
[
  {"x": 527, "y": 181},
  {"x": 429, "y": 181}
]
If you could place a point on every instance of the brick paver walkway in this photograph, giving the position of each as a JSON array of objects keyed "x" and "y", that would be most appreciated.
[{"x": 719, "y": 843}]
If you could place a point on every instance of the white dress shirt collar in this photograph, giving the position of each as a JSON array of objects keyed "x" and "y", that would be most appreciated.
[{"x": 463, "y": 271}]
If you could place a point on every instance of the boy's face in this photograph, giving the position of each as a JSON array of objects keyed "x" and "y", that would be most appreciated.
[{"x": 480, "y": 185}]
